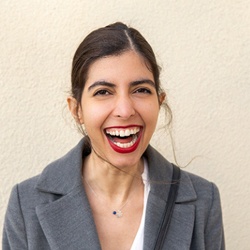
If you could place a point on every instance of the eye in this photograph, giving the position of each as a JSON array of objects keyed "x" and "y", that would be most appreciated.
[
  {"x": 102, "y": 92},
  {"x": 143, "y": 91}
]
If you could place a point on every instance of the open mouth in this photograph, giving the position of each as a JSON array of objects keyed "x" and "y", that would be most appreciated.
[{"x": 124, "y": 139}]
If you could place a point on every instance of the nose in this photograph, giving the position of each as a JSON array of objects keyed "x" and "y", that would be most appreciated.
[{"x": 124, "y": 107}]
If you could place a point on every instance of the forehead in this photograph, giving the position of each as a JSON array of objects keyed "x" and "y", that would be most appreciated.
[{"x": 127, "y": 66}]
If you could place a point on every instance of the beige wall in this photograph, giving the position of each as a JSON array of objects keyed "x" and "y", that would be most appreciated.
[{"x": 204, "y": 49}]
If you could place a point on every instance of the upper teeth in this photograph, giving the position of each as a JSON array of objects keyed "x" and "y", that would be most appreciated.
[{"x": 123, "y": 132}]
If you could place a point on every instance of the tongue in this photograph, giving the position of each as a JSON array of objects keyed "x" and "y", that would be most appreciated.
[{"x": 122, "y": 139}]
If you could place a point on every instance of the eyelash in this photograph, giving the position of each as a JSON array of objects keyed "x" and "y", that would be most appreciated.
[
  {"x": 104, "y": 92},
  {"x": 143, "y": 91}
]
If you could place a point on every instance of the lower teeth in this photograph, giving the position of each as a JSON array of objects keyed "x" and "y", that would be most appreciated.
[{"x": 126, "y": 145}]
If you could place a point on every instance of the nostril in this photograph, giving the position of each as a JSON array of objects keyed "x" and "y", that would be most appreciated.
[{"x": 124, "y": 107}]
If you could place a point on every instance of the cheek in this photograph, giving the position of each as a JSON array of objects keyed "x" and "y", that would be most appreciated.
[
  {"x": 149, "y": 114},
  {"x": 151, "y": 111},
  {"x": 94, "y": 117}
]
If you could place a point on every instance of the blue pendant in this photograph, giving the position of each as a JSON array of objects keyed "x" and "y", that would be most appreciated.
[{"x": 118, "y": 213}]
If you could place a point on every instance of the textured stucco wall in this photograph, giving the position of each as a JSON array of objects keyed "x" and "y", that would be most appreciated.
[{"x": 204, "y": 50}]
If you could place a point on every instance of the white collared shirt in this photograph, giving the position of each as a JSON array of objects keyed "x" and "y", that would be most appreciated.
[{"x": 139, "y": 238}]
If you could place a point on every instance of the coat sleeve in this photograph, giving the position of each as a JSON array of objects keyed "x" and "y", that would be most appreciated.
[
  {"x": 14, "y": 231},
  {"x": 214, "y": 233}
]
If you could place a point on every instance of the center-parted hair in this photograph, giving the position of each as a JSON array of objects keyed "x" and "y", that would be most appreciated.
[{"x": 111, "y": 40}]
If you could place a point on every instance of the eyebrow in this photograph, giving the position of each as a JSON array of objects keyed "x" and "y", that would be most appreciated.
[
  {"x": 112, "y": 85},
  {"x": 148, "y": 81},
  {"x": 101, "y": 83}
]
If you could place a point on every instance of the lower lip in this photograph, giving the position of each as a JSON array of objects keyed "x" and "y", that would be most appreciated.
[{"x": 125, "y": 150}]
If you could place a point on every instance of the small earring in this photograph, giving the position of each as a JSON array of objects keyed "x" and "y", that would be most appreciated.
[{"x": 84, "y": 129}]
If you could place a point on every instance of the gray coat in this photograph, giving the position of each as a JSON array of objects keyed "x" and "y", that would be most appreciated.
[{"x": 51, "y": 210}]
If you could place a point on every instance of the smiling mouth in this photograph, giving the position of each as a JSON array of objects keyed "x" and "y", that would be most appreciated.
[{"x": 123, "y": 138}]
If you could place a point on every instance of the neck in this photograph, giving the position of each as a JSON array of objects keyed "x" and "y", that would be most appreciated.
[{"x": 113, "y": 183}]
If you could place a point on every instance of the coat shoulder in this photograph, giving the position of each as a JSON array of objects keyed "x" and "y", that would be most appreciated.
[
  {"x": 207, "y": 194},
  {"x": 203, "y": 187}
]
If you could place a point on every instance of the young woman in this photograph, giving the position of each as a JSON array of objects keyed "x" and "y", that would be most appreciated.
[{"x": 111, "y": 190}]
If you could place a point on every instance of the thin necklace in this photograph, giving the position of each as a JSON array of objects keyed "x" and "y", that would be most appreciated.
[{"x": 118, "y": 213}]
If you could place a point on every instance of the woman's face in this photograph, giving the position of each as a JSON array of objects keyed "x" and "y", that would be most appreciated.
[{"x": 119, "y": 108}]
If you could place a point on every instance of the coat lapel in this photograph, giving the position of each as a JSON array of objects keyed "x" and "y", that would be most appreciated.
[
  {"x": 67, "y": 220},
  {"x": 68, "y": 223},
  {"x": 182, "y": 222}
]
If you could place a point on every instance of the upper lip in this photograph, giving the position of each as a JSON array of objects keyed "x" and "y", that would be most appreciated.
[{"x": 123, "y": 131}]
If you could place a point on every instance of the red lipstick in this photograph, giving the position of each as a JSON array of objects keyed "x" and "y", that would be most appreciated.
[{"x": 124, "y": 139}]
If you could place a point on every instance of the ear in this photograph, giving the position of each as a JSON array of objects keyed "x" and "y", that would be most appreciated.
[
  {"x": 162, "y": 98},
  {"x": 75, "y": 109}
]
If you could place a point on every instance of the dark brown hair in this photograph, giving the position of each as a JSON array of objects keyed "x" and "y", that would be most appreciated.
[{"x": 113, "y": 39}]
